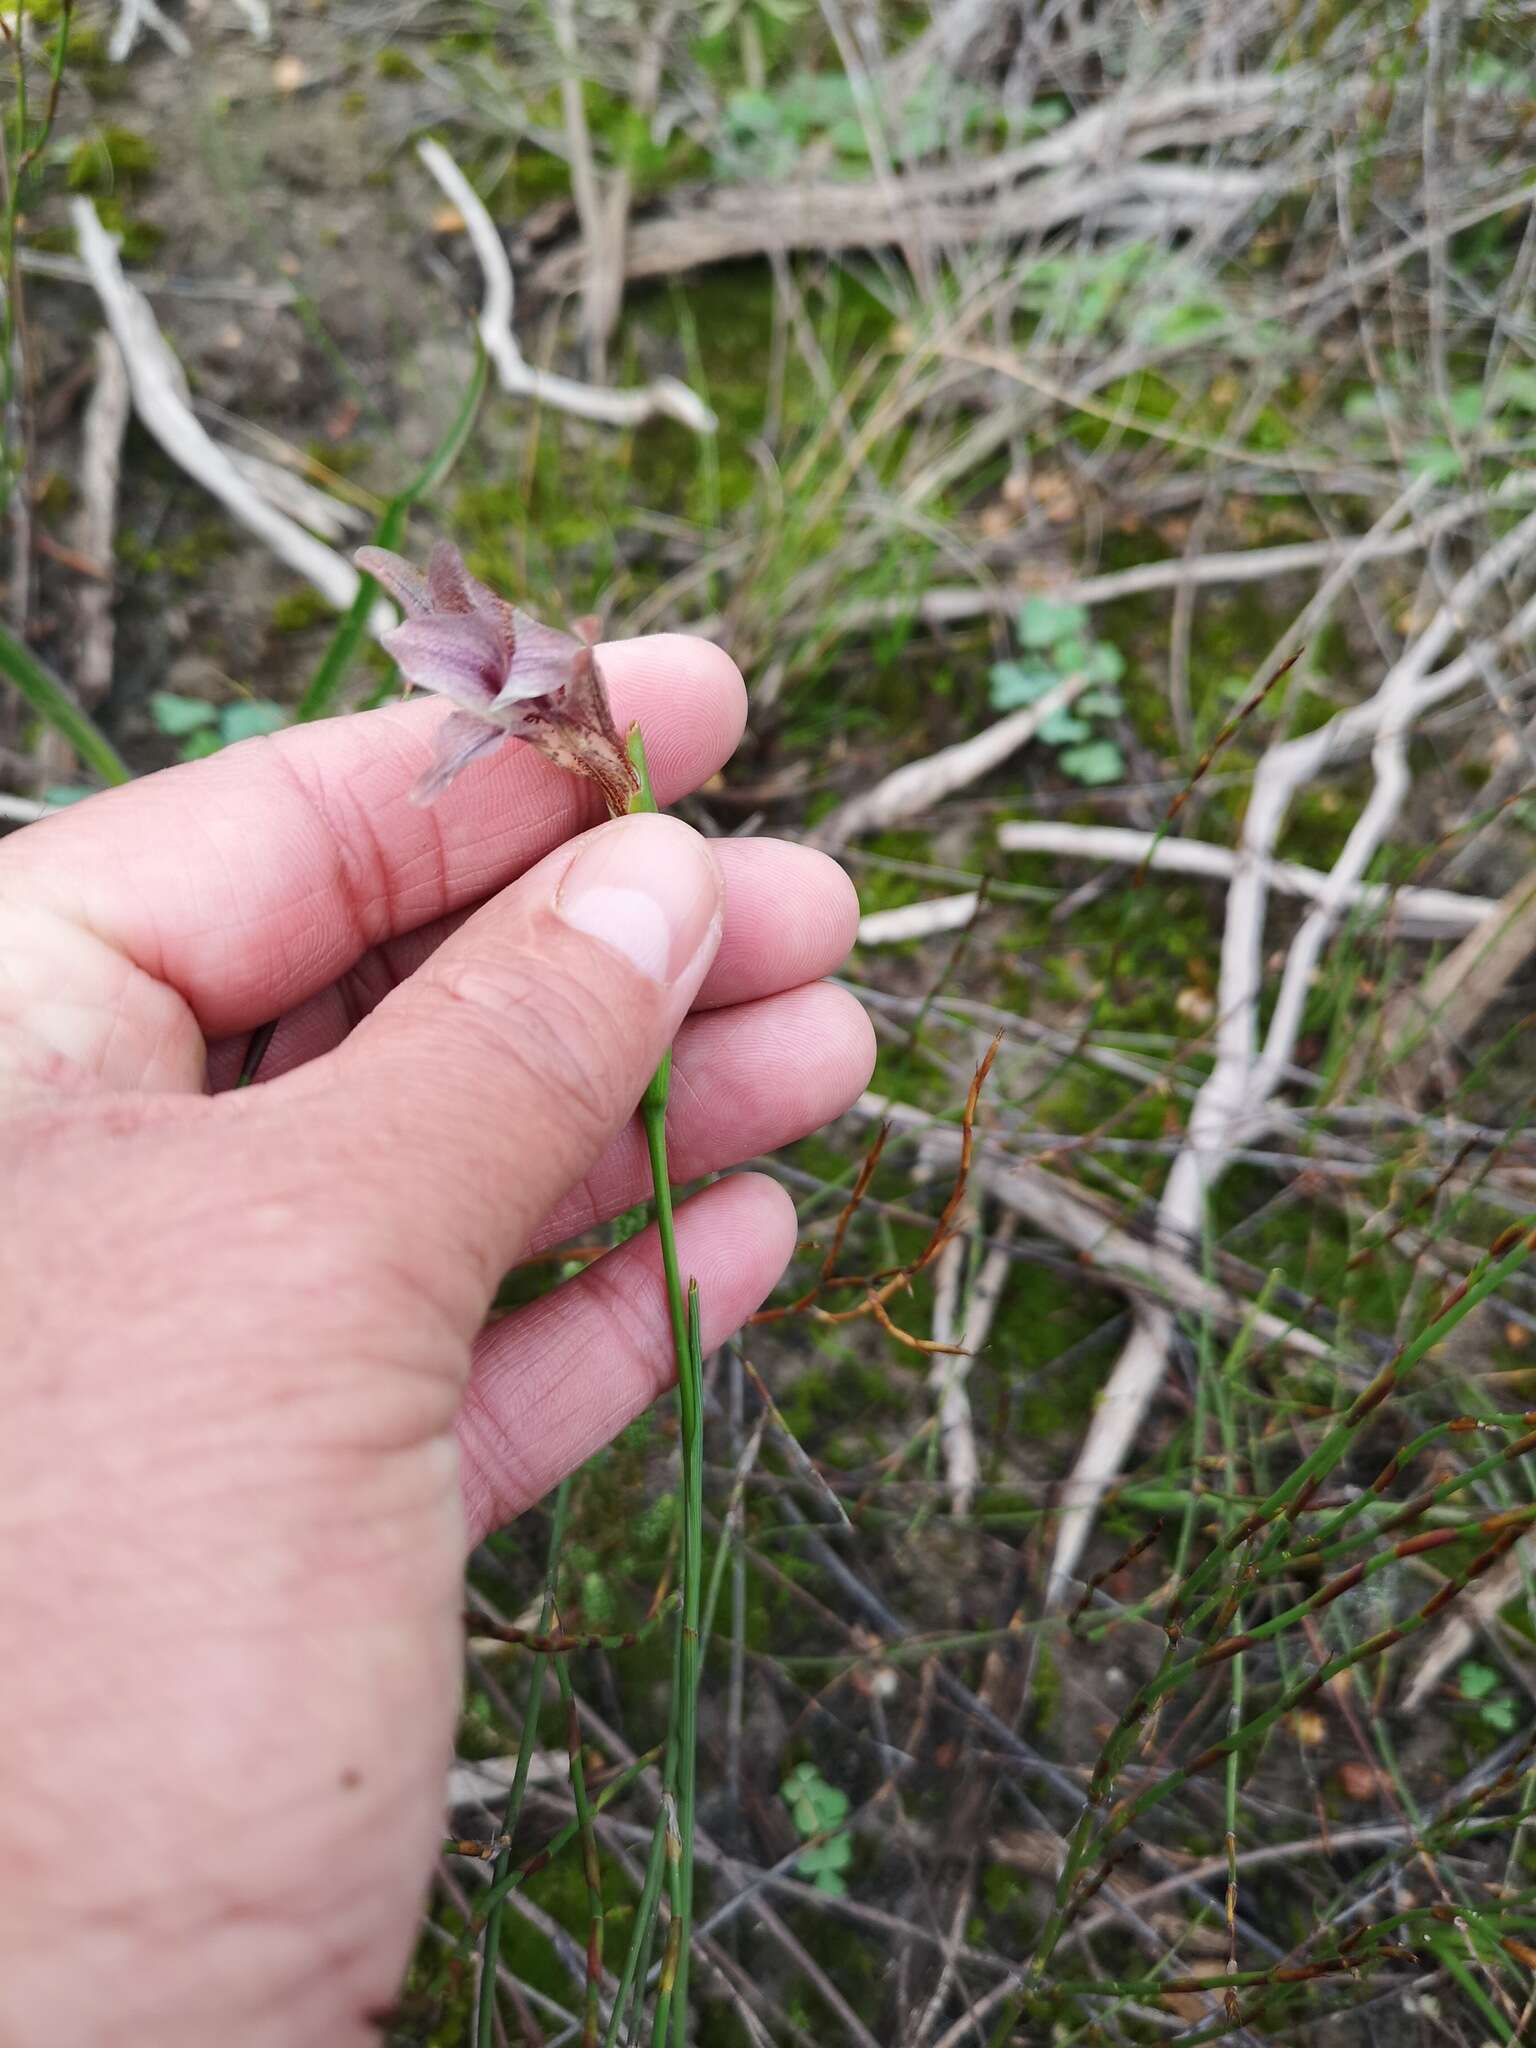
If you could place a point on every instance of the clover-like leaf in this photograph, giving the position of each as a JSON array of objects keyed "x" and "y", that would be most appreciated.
[
  {"x": 1097, "y": 762},
  {"x": 1043, "y": 621}
]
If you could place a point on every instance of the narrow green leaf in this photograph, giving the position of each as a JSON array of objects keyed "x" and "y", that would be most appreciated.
[{"x": 52, "y": 701}]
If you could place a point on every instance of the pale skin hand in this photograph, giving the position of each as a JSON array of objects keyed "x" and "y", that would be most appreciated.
[{"x": 251, "y": 1418}]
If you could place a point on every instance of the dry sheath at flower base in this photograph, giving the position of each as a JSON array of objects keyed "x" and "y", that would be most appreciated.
[{"x": 509, "y": 676}]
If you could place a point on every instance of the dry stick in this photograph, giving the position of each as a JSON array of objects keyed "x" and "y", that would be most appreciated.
[
  {"x": 1094, "y": 161},
  {"x": 101, "y": 442},
  {"x": 1460, "y": 991},
  {"x": 1457, "y": 1635},
  {"x": 101, "y": 447},
  {"x": 1233, "y": 1105},
  {"x": 663, "y": 396},
  {"x": 1113, "y": 1255},
  {"x": 920, "y": 785},
  {"x": 160, "y": 399},
  {"x": 1414, "y": 912},
  {"x": 962, "y": 1466},
  {"x": 134, "y": 15}
]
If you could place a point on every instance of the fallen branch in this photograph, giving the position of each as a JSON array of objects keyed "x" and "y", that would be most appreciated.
[
  {"x": 922, "y": 784},
  {"x": 969, "y": 1331},
  {"x": 1233, "y": 1105},
  {"x": 94, "y": 529},
  {"x": 1474, "y": 1614},
  {"x": 1414, "y": 913},
  {"x": 160, "y": 399},
  {"x": 1149, "y": 1274},
  {"x": 662, "y": 397},
  {"x": 101, "y": 448},
  {"x": 953, "y": 604},
  {"x": 1421, "y": 1022},
  {"x": 918, "y": 920},
  {"x": 1095, "y": 163},
  {"x": 135, "y": 15}
]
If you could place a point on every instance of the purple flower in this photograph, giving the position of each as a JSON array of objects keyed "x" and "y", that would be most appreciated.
[{"x": 510, "y": 677}]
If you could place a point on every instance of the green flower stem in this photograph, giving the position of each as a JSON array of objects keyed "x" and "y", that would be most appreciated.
[{"x": 683, "y": 1309}]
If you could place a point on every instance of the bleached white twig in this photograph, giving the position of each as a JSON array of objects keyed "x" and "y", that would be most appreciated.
[
  {"x": 258, "y": 19},
  {"x": 1476, "y": 1611},
  {"x": 1415, "y": 913},
  {"x": 957, "y": 1434},
  {"x": 1232, "y": 1106},
  {"x": 922, "y": 784},
  {"x": 302, "y": 501},
  {"x": 134, "y": 15},
  {"x": 159, "y": 397},
  {"x": 24, "y": 810},
  {"x": 101, "y": 447},
  {"x": 1147, "y": 1273},
  {"x": 666, "y": 396},
  {"x": 918, "y": 920}
]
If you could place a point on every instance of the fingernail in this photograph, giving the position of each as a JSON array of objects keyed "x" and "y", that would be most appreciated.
[{"x": 648, "y": 887}]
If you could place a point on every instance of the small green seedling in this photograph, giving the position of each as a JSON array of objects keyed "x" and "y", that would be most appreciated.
[
  {"x": 1480, "y": 1685},
  {"x": 1055, "y": 644},
  {"x": 204, "y": 728},
  {"x": 815, "y": 1806}
]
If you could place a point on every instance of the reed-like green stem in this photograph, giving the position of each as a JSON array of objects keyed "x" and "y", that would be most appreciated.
[{"x": 683, "y": 1311}]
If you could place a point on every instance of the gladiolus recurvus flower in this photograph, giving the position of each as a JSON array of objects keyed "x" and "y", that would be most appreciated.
[{"x": 510, "y": 677}]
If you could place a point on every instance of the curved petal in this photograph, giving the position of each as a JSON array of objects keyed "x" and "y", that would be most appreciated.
[
  {"x": 448, "y": 580},
  {"x": 543, "y": 660},
  {"x": 405, "y": 585},
  {"x": 460, "y": 740},
  {"x": 458, "y": 656}
]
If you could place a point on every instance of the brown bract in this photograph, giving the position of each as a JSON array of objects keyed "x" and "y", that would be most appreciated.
[{"x": 509, "y": 676}]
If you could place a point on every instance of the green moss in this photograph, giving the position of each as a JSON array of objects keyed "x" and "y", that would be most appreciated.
[
  {"x": 299, "y": 610},
  {"x": 111, "y": 159},
  {"x": 393, "y": 62}
]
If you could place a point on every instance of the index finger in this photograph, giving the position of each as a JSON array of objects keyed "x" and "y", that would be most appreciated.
[{"x": 251, "y": 880}]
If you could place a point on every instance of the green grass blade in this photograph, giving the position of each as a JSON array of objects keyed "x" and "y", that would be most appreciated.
[{"x": 51, "y": 700}]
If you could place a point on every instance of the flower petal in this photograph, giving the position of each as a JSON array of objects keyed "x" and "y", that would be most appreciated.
[
  {"x": 457, "y": 656},
  {"x": 460, "y": 740},
  {"x": 543, "y": 659},
  {"x": 448, "y": 579},
  {"x": 405, "y": 585}
]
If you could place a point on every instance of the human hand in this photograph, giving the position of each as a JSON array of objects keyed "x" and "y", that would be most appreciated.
[{"x": 251, "y": 1415}]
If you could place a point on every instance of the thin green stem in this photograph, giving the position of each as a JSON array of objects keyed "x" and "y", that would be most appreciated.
[{"x": 681, "y": 1776}]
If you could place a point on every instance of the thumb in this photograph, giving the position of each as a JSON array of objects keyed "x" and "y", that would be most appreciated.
[{"x": 480, "y": 1090}]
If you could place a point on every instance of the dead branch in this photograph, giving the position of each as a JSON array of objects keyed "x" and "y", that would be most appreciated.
[
  {"x": 663, "y": 397},
  {"x": 1147, "y": 1273},
  {"x": 1422, "y": 1024},
  {"x": 1233, "y": 1105},
  {"x": 1414, "y": 913},
  {"x": 922, "y": 784},
  {"x": 94, "y": 529},
  {"x": 966, "y": 1326},
  {"x": 1090, "y": 165},
  {"x": 101, "y": 448},
  {"x": 1477, "y": 1612},
  {"x": 160, "y": 398}
]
